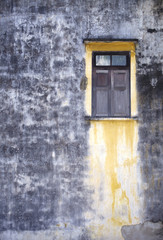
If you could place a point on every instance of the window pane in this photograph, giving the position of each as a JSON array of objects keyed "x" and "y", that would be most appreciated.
[
  {"x": 101, "y": 80},
  {"x": 102, "y": 60},
  {"x": 118, "y": 60},
  {"x": 102, "y": 102},
  {"x": 120, "y": 93}
]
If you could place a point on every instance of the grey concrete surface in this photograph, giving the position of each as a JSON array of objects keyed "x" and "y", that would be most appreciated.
[{"x": 44, "y": 136}]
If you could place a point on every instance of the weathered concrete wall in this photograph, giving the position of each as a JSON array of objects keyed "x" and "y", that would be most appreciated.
[
  {"x": 44, "y": 167},
  {"x": 43, "y": 131}
]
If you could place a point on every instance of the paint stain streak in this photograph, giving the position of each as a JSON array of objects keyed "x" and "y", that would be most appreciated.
[
  {"x": 114, "y": 172},
  {"x": 113, "y": 133}
]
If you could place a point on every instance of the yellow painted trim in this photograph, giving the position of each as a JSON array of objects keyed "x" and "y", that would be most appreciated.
[
  {"x": 112, "y": 119},
  {"x": 110, "y": 46}
]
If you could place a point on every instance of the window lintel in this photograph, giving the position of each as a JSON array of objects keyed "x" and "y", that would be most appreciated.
[{"x": 88, "y": 40}]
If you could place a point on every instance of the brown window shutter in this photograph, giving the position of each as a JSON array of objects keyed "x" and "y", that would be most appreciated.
[
  {"x": 120, "y": 93},
  {"x": 101, "y": 92}
]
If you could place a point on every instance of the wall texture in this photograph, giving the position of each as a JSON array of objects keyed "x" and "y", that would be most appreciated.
[{"x": 45, "y": 178}]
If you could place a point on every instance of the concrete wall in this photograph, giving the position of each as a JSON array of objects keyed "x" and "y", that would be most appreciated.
[{"x": 47, "y": 180}]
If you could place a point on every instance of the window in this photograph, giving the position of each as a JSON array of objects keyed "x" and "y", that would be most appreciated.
[
  {"x": 117, "y": 59},
  {"x": 110, "y": 84}
]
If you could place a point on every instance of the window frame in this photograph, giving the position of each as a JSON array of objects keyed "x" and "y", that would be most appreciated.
[
  {"x": 109, "y": 45},
  {"x": 111, "y": 53},
  {"x": 110, "y": 67}
]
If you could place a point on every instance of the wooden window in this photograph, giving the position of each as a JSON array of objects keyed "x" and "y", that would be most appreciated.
[{"x": 110, "y": 84}]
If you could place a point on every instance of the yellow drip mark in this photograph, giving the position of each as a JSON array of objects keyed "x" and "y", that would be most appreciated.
[
  {"x": 119, "y": 221},
  {"x": 113, "y": 160},
  {"x": 129, "y": 137},
  {"x": 129, "y": 162},
  {"x": 124, "y": 196},
  {"x": 112, "y": 134},
  {"x": 95, "y": 133},
  {"x": 96, "y": 231}
]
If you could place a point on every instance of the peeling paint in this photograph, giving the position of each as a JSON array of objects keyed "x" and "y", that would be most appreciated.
[{"x": 113, "y": 158}]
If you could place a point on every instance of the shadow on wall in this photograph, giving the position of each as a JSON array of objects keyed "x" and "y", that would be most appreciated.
[{"x": 144, "y": 231}]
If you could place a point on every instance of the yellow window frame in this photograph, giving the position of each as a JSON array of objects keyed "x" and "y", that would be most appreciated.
[{"x": 117, "y": 47}]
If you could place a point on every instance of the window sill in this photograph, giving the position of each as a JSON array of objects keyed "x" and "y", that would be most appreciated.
[{"x": 90, "y": 118}]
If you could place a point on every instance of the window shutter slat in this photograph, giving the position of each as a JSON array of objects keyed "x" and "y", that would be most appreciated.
[
  {"x": 101, "y": 102},
  {"x": 101, "y": 92},
  {"x": 120, "y": 93}
]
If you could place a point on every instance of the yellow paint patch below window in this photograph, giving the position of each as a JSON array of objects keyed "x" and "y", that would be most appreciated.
[{"x": 113, "y": 176}]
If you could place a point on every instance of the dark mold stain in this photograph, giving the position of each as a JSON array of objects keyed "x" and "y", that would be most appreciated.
[{"x": 150, "y": 30}]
